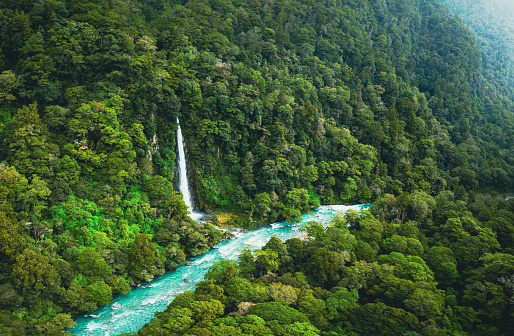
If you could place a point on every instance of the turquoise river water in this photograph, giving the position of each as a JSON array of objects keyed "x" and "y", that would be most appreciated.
[{"x": 130, "y": 312}]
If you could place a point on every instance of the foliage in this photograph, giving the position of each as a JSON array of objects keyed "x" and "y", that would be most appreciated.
[
  {"x": 429, "y": 292},
  {"x": 284, "y": 105}
]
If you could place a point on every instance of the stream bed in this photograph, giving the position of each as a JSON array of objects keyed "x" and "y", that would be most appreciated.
[{"x": 130, "y": 312}]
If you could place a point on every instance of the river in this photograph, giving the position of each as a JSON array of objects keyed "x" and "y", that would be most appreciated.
[{"x": 130, "y": 312}]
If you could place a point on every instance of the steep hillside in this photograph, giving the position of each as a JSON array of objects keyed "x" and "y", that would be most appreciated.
[
  {"x": 284, "y": 105},
  {"x": 492, "y": 25},
  {"x": 288, "y": 104},
  {"x": 83, "y": 216}
]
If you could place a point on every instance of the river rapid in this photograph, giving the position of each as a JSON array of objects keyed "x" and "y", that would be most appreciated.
[{"x": 130, "y": 312}]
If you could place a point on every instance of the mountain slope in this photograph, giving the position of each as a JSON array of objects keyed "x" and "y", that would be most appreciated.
[
  {"x": 278, "y": 91},
  {"x": 284, "y": 105},
  {"x": 492, "y": 25}
]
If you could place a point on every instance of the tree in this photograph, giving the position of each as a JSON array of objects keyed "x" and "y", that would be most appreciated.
[
  {"x": 408, "y": 267},
  {"x": 38, "y": 67},
  {"x": 11, "y": 325},
  {"x": 9, "y": 178},
  {"x": 262, "y": 202},
  {"x": 365, "y": 227},
  {"x": 325, "y": 266},
  {"x": 426, "y": 304},
  {"x": 504, "y": 231},
  {"x": 270, "y": 311},
  {"x": 247, "y": 176},
  {"x": 99, "y": 292},
  {"x": 489, "y": 288},
  {"x": 246, "y": 262},
  {"x": 298, "y": 199},
  {"x": 342, "y": 303},
  {"x": 32, "y": 271},
  {"x": 222, "y": 271},
  {"x": 68, "y": 170},
  {"x": 207, "y": 290},
  {"x": 379, "y": 319},
  {"x": 304, "y": 328},
  {"x": 143, "y": 258},
  {"x": 441, "y": 260},
  {"x": 26, "y": 144},
  {"x": 19, "y": 31},
  {"x": 315, "y": 310},
  {"x": 32, "y": 195},
  {"x": 282, "y": 293},
  {"x": 266, "y": 261},
  {"x": 12, "y": 242},
  {"x": 162, "y": 196},
  {"x": 403, "y": 245},
  {"x": 91, "y": 264},
  {"x": 206, "y": 310},
  {"x": 8, "y": 82},
  {"x": 56, "y": 326},
  {"x": 170, "y": 322}
]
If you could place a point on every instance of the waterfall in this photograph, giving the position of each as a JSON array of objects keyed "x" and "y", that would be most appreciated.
[{"x": 182, "y": 177}]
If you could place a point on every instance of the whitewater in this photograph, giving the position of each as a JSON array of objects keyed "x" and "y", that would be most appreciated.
[{"x": 130, "y": 312}]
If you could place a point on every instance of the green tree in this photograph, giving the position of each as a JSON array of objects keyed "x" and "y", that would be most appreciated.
[
  {"x": 441, "y": 260},
  {"x": 32, "y": 196},
  {"x": 56, "y": 326},
  {"x": 11, "y": 325},
  {"x": 270, "y": 311},
  {"x": 282, "y": 293},
  {"x": 91, "y": 264},
  {"x": 8, "y": 82},
  {"x": 32, "y": 271},
  {"x": 99, "y": 292},
  {"x": 325, "y": 267},
  {"x": 425, "y": 303},
  {"x": 379, "y": 319},
  {"x": 246, "y": 262},
  {"x": 222, "y": 271},
  {"x": 143, "y": 258},
  {"x": 342, "y": 303},
  {"x": 26, "y": 143},
  {"x": 12, "y": 242}
]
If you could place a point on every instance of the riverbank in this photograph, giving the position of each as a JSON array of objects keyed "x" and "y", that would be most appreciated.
[{"x": 118, "y": 316}]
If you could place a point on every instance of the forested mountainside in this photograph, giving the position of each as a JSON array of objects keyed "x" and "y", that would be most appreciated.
[
  {"x": 83, "y": 212},
  {"x": 284, "y": 105},
  {"x": 445, "y": 269},
  {"x": 289, "y": 104},
  {"x": 492, "y": 25}
]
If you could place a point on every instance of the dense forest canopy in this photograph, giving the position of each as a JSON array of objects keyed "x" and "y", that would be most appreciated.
[
  {"x": 284, "y": 105},
  {"x": 392, "y": 271},
  {"x": 492, "y": 25}
]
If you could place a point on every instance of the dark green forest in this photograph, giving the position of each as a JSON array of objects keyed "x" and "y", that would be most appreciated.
[
  {"x": 285, "y": 105},
  {"x": 492, "y": 26},
  {"x": 441, "y": 266}
]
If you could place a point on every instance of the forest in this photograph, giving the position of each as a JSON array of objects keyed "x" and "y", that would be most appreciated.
[
  {"x": 284, "y": 105},
  {"x": 491, "y": 25},
  {"x": 442, "y": 269}
]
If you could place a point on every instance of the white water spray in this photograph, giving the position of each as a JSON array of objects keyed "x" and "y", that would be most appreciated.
[{"x": 182, "y": 177}]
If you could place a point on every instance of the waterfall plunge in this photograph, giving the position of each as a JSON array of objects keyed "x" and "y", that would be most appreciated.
[{"x": 182, "y": 177}]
